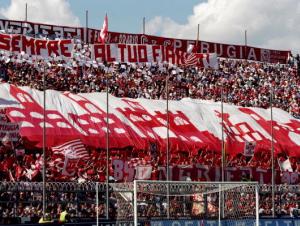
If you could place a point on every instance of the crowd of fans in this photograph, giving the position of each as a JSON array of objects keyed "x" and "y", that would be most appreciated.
[
  {"x": 238, "y": 82},
  {"x": 243, "y": 82}
]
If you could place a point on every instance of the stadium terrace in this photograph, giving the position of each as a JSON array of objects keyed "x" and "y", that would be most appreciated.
[{"x": 95, "y": 139}]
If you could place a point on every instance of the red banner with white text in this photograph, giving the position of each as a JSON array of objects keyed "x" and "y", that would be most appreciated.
[
  {"x": 91, "y": 36},
  {"x": 151, "y": 54},
  {"x": 36, "y": 47}
]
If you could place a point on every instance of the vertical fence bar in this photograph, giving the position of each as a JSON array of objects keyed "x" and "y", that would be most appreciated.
[
  {"x": 257, "y": 203},
  {"x": 220, "y": 205},
  {"x": 107, "y": 147},
  {"x": 44, "y": 141},
  {"x": 272, "y": 154},
  {"x": 168, "y": 147},
  {"x": 135, "y": 203},
  {"x": 97, "y": 203}
]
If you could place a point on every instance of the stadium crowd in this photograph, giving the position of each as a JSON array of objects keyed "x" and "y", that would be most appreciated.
[
  {"x": 244, "y": 83},
  {"x": 239, "y": 82}
]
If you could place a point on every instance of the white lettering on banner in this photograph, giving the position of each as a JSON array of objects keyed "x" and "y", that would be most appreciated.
[
  {"x": 69, "y": 31},
  {"x": 122, "y": 171},
  {"x": 251, "y": 54},
  {"x": 3, "y": 25},
  {"x": 149, "y": 54},
  {"x": 219, "y": 53},
  {"x": 59, "y": 31},
  {"x": 45, "y": 29},
  {"x": 36, "y": 29},
  {"x": 16, "y": 27},
  {"x": 202, "y": 171},
  {"x": 177, "y": 44},
  {"x": 204, "y": 47},
  {"x": 231, "y": 51},
  {"x": 118, "y": 169},
  {"x": 129, "y": 172},
  {"x": 184, "y": 172},
  {"x": 143, "y": 172}
]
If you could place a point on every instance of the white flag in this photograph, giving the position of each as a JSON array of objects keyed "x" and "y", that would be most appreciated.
[
  {"x": 143, "y": 172},
  {"x": 285, "y": 166}
]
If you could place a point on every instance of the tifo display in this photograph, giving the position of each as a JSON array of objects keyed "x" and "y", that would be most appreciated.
[{"x": 84, "y": 117}]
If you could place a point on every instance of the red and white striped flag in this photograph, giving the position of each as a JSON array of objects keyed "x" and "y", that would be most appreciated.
[
  {"x": 104, "y": 31},
  {"x": 191, "y": 60},
  {"x": 203, "y": 60},
  {"x": 72, "y": 150}
]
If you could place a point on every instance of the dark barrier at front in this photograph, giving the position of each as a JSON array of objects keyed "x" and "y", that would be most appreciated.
[{"x": 262, "y": 222}]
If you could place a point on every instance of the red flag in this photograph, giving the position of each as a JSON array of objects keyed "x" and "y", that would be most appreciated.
[
  {"x": 72, "y": 150},
  {"x": 104, "y": 31}
]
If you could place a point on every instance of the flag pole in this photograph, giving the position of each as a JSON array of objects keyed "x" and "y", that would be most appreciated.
[
  {"x": 107, "y": 147},
  {"x": 26, "y": 11},
  {"x": 272, "y": 155},
  {"x": 197, "y": 40},
  {"x": 223, "y": 148},
  {"x": 144, "y": 25},
  {"x": 245, "y": 46},
  {"x": 44, "y": 141},
  {"x": 222, "y": 131},
  {"x": 86, "y": 26},
  {"x": 168, "y": 145}
]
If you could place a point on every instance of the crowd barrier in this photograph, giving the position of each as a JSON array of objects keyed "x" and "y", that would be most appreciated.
[{"x": 262, "y": 222}]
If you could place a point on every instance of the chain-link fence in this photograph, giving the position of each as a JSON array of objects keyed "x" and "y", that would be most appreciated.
[{"x": 22, "y": 201}]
